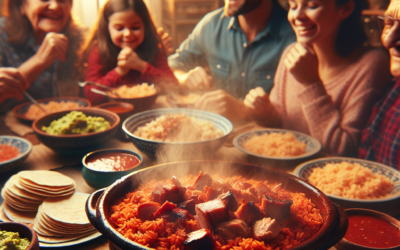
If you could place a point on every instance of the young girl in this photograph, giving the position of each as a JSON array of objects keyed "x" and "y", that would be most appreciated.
[
  {"x": 125, "y": 49},
  {"x": 327, "y": 82}
]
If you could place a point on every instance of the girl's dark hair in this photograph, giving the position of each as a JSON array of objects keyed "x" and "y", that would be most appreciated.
[
  {"x": 147, "y": 51},
  {"x": 351, "y": 32}
]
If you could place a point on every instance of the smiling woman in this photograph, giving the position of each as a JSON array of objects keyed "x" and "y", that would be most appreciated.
[{"x": 39, "y": 43}]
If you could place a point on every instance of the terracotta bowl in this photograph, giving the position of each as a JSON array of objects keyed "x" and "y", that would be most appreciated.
[
  {"x": 140, "y": 103},
  {"x": 76, "y": 144},
  {"x": 24, "y": 232},
  {"x": 20, "y": 110},
  {"x": 98, "y": 206},
  {"x": 346, "y": 244}
]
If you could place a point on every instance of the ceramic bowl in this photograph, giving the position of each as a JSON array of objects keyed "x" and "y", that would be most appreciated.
[
  {"x": 123, "y": 110},
  {"x": 140, "y": 103},
  {"x": 150, "y": 147},
  {"x": 100, "y": 179},
  {"x": 346, "y": 244},
  {"x": 312, "y": 148},
  {"x": 389, "y": 205},
  {"x": 20, "y": 110},
  {"x": 24, "y": 148},
  {"x": 76, "y": 144},
  {"x": 24, "y": 232},
  {"x": 98, "y": 206}
]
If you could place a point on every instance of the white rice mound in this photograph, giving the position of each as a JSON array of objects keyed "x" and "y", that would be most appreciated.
[
  {"x": 350, "y": 181},
  {"x": 178, "y": 128},
  {"x": 275, "y": 144}
]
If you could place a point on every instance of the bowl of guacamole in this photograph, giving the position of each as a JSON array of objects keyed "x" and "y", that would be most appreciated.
[
  {"x": 76, "y": 132},
  {"x": 17, "y": 236}
]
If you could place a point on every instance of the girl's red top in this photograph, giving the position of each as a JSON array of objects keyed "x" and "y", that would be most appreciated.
[{"x": 160, "y": 72}]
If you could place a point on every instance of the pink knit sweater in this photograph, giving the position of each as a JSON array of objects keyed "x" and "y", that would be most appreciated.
[{"x": 336, "y": 112}]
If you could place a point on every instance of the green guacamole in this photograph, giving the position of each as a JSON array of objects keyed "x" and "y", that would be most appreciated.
[
  {"x": 12, "y": 241},
  {"x": 76, "y": 122}
]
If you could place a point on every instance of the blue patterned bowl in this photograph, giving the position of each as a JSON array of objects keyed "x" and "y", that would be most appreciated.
[
  {"x": 182, "y": 150},
  {"x": 24, "y": 148},
  {"x": 312, "y": 145},
  {"x": 389, "y": 205}
]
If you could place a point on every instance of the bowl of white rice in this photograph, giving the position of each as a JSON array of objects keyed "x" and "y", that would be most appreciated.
[
  {"x": 177, "y": 133},
  {"x": 355, "y": 183}
]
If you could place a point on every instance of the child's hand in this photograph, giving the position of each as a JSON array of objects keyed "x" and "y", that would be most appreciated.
[{"x": 128, "y": 58}]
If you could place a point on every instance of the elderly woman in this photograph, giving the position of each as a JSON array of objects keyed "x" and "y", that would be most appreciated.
[
  {"x": 381, "y": 137},
  {"x": 327, "y": 82},
  {"x": 39, "y": 43}
]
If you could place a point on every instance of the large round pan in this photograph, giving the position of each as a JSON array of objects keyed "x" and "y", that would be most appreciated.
[{"x": 98, "y": 206}]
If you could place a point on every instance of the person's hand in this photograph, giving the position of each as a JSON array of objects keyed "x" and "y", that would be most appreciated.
[
  {"x": 197, "y": 78},
  {"x": 220, "y": 102},
  {"x": 166, "y": 41},
  {"x": 53, "y": 46},
  {"x": 12, "y": 84},
  {"x": 128, "y": 59},
  {"x": 302, "y": 63},
  {"x": 257, "y": 103}
]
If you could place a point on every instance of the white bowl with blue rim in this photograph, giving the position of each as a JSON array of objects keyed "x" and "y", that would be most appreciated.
[
  {"x": 24, "y": 148},
  {"x": 313, "y": 146},
  {"x": 389, "y": 205},
  {"x": 182, "y": 149}
]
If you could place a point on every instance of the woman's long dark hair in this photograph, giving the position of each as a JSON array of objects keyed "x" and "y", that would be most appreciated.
[
  {"x": 100, "y": 36},
  {"x": 351, "y": 33}
]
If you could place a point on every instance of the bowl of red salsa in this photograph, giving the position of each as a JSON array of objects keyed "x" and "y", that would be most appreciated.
[
  {"x": 369, "y": 229},
  {"x": 103, "y": 167},
  {"x": 13, "y": 151}
]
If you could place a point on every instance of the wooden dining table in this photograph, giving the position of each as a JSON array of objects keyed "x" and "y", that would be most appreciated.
[{"x": 43, "y": 158}]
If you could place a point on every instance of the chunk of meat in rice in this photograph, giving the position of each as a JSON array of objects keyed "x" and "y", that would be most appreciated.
[
  {"x": 172, "y": 192},
  {"x": 146, "y": 209},
  {"x": 199, "y": 240},
  {"x": 188, "y": 205},
  {"x": 248, "y": 212},
  {"x": 202, "y": 181},
  {"x": 230, "y": 230},
  {"x": 266, "y": 229},
  {"x": 211, "y": 213},
  {"x": 229, "y": 200},
  {"x": 276, "y": 207}
]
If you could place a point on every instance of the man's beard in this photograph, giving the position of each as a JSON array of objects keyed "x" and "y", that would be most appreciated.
[{"x": 247, "y": 7}]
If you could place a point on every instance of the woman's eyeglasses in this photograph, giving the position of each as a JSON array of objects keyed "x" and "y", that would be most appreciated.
[{"x": 386, "y": 22}]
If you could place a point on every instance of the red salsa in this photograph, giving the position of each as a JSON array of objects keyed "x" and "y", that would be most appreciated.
[
  {"x": 8, "y": 152},
  {"x": 371, "y": 231},
  {"x": 112, "y": 162},
  {"x": 117, "y": 109}
]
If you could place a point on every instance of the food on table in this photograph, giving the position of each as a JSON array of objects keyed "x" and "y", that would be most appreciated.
[
  {"x": 12, "y": 240},
  {"x": 115, "y": 161},
  {"x": 76, "y": 122},
  {"x": 203, "y": 212},
  {"x": 24, "y": 192},
  {"x": 136, "y": 91},
  {"x": 63, "y": 219},
  {"x": 370, "y": 231},
  {"x": 350, "y": 181},
  {"x": 35, "y": 112},
  {"x": 178, "y": 128},
  {"x": 8, "y": 152},
  {"x": 275, "y": 144}
]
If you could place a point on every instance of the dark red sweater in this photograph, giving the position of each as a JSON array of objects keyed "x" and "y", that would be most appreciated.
[{"x": 151, "y": 74}]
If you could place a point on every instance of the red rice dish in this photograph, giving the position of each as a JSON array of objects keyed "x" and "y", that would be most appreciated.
[
  {"x": 154, "y": 228},
  {"x": 8, "y": 152}
]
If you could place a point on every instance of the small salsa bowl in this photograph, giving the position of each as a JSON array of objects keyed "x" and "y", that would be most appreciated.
[
  {"x": 24, "y": 232},
  {"x": 20, "y": 110},
  {"x": 24, "y": 148},
  {"x": 101, "y": 178},
  {"x": 389, "y": 205},
  {"x": 347, "y": 244}
]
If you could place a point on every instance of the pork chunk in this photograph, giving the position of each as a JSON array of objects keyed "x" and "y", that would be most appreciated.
[
  {"x": 172, "y": 192},
  {"x": 266, "y": 229},
  {"x": 248, "y": 212},
  {"x": 211, "y": 213},
  {"x": 230, "y": 230},
  {"x": 229, "y": 200},
  {"x": 202, "y": 181},
  {"x": 276, "y": 207},
  {"x": 188, "y": 205},
  {"x": 199, "y": 240},
  {"x": 146, "y": 209}
]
